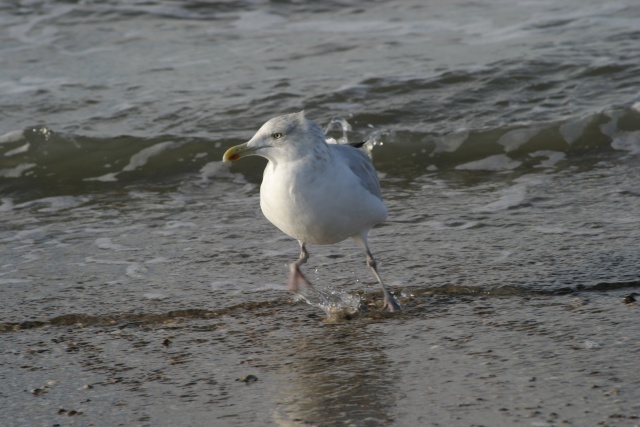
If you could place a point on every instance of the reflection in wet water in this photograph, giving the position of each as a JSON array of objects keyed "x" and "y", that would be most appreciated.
[{"x": 340, "y": 374}]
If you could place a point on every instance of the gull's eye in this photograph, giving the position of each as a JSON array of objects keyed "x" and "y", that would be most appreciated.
[{"x": 276, "y": 135}]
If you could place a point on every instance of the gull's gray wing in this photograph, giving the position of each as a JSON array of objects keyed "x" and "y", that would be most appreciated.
[{"x": 360, "y": 164}]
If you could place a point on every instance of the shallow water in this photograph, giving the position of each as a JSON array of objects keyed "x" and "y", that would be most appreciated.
[{"x": 140, "y": 281}]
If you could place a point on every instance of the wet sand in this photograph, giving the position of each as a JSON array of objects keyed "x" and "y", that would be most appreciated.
[{"x": 446, "y": 360}]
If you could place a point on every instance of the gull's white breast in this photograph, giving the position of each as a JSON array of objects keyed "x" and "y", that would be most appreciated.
[{"x": 318, "y": 203}]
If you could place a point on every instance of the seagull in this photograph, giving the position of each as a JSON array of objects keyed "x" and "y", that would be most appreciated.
[{"x": 314, "y": 191}]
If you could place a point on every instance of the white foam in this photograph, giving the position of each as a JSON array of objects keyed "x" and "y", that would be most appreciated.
[
  {"x": 497, "y": 162},
  {"x": 142, "y": 157},
  {"x": 7, "y": 204},
  {"x": 13, "y": 136},
  {"x": 110, "y": 177},
  {"x": 573, "y": 129},
  {"x": 55, "y": 203},
  {"x": 514, "y": 139},
  {"x": 137, "y": 160},
  {"x": 215, "y": 169},
  {"x": 451, "y": 142},
  {"x": 17, "y": 171},
  {"x": 553, "y": 157},
  {"x": 610, "y": 128},
  {"x": 513, "y": 196},
  {"x": 439, "y": 225},
  {"x": 22, "y": 149},
  {"x": 627, "y": 141}
]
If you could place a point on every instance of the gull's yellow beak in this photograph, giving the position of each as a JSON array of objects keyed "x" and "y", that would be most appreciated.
[{"x": 236, "y": 152}]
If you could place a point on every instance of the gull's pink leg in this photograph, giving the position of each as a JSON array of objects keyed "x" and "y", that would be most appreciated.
[
  {"x": 296, "y": 278},
  {"x": 390, "y": 302}
]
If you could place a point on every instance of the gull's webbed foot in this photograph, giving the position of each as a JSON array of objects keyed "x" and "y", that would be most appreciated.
[
  {"x": 297, "y": 279},
  {"x": 390, "y": 303}
]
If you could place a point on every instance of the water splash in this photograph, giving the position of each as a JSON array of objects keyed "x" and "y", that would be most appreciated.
[
  {"x": 335, "y": 303},
  {"x": 341, "y": 124}
]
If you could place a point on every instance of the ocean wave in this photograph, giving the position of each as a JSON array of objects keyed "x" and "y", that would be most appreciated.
[{"x": 40, "y": 158}]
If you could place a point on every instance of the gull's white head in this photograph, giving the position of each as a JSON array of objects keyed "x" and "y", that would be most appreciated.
[{"x": 286, "y": 138}]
